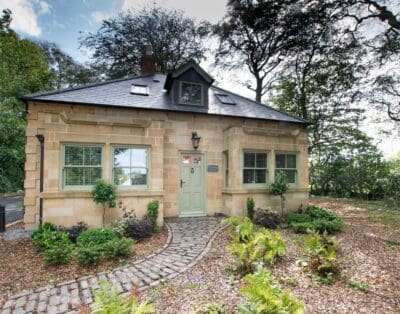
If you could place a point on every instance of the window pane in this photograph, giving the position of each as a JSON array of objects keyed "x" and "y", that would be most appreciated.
[
  {"x": 261, "y": 160},
  {"x": 73, "y": 176},
  {"x": 122, "y": 176},
  {"x": 122, "y": 157},
  {"x": 248, "y": 176},
  {"x": 73, "y": 155},
  {"x": 260, "y": 176},
  {"x": 191, "y": 93},
  {"x": 92, "y": 156},
  {"x": 291, "y": 161},
  {"x": 291, "y": 176},
  {"x": 249, "y": 160},
  {"x": 280, "y": 161},
  {"x": 139, "y": 157},
  {"x": 139, "y": 176},
  {"x": 91, "y": 175}
]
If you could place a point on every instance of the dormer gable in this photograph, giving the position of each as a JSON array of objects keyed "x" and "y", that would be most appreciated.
[{"x": 188, "y": 85}]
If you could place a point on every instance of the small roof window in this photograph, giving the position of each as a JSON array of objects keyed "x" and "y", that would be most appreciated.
[
  {"x": 137, "y": 89},
  {"x": 225, "y": 99}
]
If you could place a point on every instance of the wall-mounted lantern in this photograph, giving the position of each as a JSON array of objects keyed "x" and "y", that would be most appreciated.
[{"x": 195, "y": 140}]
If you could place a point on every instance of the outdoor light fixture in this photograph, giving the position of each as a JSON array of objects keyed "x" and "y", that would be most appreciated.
[{"x": 195, "y": 140}]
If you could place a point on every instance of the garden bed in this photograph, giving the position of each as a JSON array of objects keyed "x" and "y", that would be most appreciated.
[
  {"x": 366, "y": 256},
  {"x": 22, "y": 268}
]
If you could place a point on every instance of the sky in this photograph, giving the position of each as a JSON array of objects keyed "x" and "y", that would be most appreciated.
[{"x": 65, "y": 21}]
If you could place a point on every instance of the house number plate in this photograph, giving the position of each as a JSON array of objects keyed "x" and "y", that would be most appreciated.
[{"x": 212, "y": 168}]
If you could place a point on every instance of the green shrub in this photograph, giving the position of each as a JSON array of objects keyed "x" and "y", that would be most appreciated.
[
  {"x": 322, "y": 256},
  {"x": 156, "y": 229},
  {"x": 152, "y": 211},
  {"x": 107, "y": 300},
  {"x": 120, "y": 224},
  {"x": 88, "y": 255},
  {"x": 59, "y": 254},
  {"x": 315, "y": 219},
  {"x": 105, "y": 194},
  {"x": 117, "y": 248},
  {"x": 47, "y": 237},
  {"x": 251, "y": 247},
  {"x": 267, "y": 219},
  {"x": 279, "y": 187},
  {"x": 95, "y": 237},
  {"x": 250, "y": 204},
  {"x": 266, "y": 297}
]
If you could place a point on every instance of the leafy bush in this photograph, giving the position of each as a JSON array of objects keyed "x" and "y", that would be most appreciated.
[
  {"x": 95, "y": 237},
  {"x": 139, "y": 229},
  {"x": 105, "y": 194},
  {"x": 267, "y": 218},
  {"x": 47, "y": 236},
  {"x": 250, "y": 204},
  {"x": 322, "y": 256},
  {"x": 107, "y": 300},
  {"x": 59, "y": 254},
  {"x": 251, "y": 247},
  {"x": 88, "y": 255},
  {"x": 74, "y": 231},
  {"x": 315, "y": 219},
  {"x": 210, "y": 308},
  {"x": 117, "y": 248},
  {"x": 152, "y": 211},
  {"x": 266, "y": 297},
  {"x": 119, "y": 225}
]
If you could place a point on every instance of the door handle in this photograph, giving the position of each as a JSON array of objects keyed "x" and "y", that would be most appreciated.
[{"x": 182, "y": 182}]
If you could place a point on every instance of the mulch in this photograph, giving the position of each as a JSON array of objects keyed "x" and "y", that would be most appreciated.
[
  {"x": 21, "y": 268},
  {"x": 364, "y": 255}
]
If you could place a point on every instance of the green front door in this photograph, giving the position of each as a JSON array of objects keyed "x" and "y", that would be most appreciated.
[{"x": 191, "y": 184}]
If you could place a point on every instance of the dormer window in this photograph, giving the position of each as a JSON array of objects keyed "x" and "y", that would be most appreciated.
[{"x": 190, "y": 93}]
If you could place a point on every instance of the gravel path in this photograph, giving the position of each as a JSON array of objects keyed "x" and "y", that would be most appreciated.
[{"x": 189, "y": 240}]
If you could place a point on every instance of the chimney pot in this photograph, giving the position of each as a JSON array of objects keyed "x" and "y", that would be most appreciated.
[{"x": 148, "y": 62}]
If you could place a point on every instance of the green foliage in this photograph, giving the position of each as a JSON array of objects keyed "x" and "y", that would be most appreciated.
[
  {"x": 88, "y": 255},
  {"x": 317, "y": 219},
  {"x": 105, "y": 194},
  {"x": 266, "y": 297},
  {"x": 210, "y": 308},
  {"x": 152, "y": 210},
  {"x": 117, "y": 248},
  {"x": 47, "y": 236},
  {"x": 107, "y": 300},
  {"x": 173, "y": 37},
  {"x": 251, "y": 247},
  {"x": 60, "y": 253},
  {"x": 359, "y": 285},
  {"x": 250, "y": 204},
  {"x": 279, "y": 187},
  {"x": 322, "y": 256},
  {"x": 95, "y": 237},
  {"x": 23, "y": 70}
]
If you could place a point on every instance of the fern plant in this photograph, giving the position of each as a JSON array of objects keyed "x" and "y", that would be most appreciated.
[
  {"x": 242, "y": 228},
  {"x": 266, "y": 297},
  {"x": 107, "y": 300}
]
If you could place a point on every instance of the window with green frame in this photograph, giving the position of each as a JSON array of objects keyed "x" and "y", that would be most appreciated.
[
  {"x": 255, "y": 167},
  {"x": 130, "y": 165},
  {"x": 287, "y": 163},
  {"x": 82, "y": 164}
]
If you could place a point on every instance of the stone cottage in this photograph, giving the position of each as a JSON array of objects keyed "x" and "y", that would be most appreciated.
[{"x": 176, "y": 137}]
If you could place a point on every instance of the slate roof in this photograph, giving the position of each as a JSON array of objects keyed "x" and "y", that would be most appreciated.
[{"x": 116, "y": 93}]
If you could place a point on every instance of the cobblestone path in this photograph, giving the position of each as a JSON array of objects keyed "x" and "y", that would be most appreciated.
[{"x": 188, "y": 241}]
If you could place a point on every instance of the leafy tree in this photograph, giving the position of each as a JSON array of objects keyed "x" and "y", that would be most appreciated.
[
  {"x": 260, "y": 35},
  {"x": 105, "y": 194},
  {"x": 118, "y": 44},
  {"x": 67, "y": 72},
  {"x": 279, "y": 188},
  {"x": 23, "y": 70}
]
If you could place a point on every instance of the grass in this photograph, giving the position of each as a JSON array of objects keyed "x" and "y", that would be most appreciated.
[{"x": 359, "y": 285}]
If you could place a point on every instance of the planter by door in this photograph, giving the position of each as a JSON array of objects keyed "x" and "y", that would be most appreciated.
[{"x": 191, "y": 184}]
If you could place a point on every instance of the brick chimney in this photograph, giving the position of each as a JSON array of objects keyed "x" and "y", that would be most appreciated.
[{"x": 148, "y": 62}]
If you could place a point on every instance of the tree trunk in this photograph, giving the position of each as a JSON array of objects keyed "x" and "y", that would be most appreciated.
[
  {"x": 258, "y": 90},
  {"x": 282, "y": 205},
  {"x": 104, "y": 215}
]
